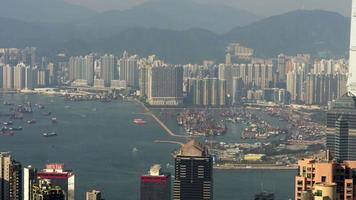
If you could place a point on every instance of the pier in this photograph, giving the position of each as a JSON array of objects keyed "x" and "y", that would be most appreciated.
[
  {"x": 171, "y": 133},
  {"x": 169, "y": 142}
]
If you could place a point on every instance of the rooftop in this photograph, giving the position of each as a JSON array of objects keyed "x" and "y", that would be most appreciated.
[{"x": 194, "y": 149}]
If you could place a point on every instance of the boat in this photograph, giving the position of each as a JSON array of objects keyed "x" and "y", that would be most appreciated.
[
  {"x": 54, "y": 120},
  {"x": 31, "y": 121},
  {"x": 134, "y": 150},
  {"x": 8, "y": 123},
  {"x": 139, "y": 121},
  {"x": 16, "y": 128},
  {"x": 49, "y": 134},
  {"x": 47, "y": 114},
  {"x": 7, "y": 133}
]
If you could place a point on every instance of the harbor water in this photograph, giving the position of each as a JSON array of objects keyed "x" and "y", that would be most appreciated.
[{"x": 107, "y": 152}]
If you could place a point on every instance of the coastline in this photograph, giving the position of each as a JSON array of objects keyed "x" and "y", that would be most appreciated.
[{"x": 254, "y": 167}]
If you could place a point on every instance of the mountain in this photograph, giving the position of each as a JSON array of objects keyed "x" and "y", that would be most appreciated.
[
  {"x": 49, "y": 11},
  {"x": 171, "y": 14},
  {"x": 192, "y": 45},
  {"x": 315, "y": 32}
]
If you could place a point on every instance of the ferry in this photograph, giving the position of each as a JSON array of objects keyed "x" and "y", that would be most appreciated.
[
  {"x": 139, "y": 121},
  {"x": 49, "y": 134}
]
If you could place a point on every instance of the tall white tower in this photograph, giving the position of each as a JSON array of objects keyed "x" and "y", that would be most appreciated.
[{"x": 352, "y": 61}]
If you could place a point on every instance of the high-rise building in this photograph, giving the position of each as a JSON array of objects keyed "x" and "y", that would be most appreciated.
[
  {"x": 129, "y": 71},
  {"x": 108, "y": 69},
  {"x": 341, "y": 128},
  {"x": 82, "y": 69},
  {"x": 42, "y": 77},
  {"x": 327, "y": 179},
  {"x": 205, "y": 92},
  {"x": 45, "y": 190},
  {"x": 31, "y": 74},
  {"x": 352, "y": 61},
  {"x": 19, "y": 76},
  {"x": 156, "y": 185},
  {"x": 193, "y": 173},
  {"x": 93, "y": 195},
  {"x": 29, "y": 181},
  {"x": 1, "y": 76},
  {"x": 10, "y": 178},
  {"x": 8, "y": 77},
  {"x": 58, "y": 176},
  {"x": 165, "y": 85}
]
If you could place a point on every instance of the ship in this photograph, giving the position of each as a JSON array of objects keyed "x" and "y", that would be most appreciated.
[
  {"x": 54, "y": 120},
  {"x": 15, "y": 128},
  {"x": 8, "y": 123},
  {"x": 49, "y": 134},
  {"x": 31, "y": 121},
  {"x": 139, "y": 121}
]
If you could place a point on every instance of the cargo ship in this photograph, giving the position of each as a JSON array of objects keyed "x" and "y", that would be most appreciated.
[{"x": 139, "y": 121}]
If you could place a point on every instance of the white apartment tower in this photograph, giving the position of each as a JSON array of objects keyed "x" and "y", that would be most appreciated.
[{"x": 352, "y": 61}]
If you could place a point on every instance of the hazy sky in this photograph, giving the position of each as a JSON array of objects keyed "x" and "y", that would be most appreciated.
[{"x": 260, "y": 7}]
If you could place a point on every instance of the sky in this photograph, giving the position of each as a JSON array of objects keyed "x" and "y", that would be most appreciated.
[{"x": 259, "y": 7}]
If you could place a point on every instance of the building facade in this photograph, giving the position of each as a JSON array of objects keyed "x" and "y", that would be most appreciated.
[{"x": 193, "y": 173}]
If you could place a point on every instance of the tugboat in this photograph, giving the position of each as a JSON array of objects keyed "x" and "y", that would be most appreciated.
[
  {"x": 49, "y": 134},
  {"x": 139, "y": 121}
]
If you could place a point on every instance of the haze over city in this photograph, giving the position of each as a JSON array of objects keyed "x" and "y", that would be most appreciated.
[
  {"x": 177, "y": 99},
  {"x": 258, "y": 7}
]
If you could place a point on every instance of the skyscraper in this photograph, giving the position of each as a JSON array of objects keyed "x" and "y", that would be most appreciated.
[
  {"x": 352, "y": 61},
  {"x": 107, "y": 69},
  {"x": 10, "y": 178},
  {"x": 156, "y": 185},
  {"x": 58, "y": 176},
  {"x": 341, "y": 126},
  {"x": 8, "y": 77},
  {"x": 193, "y": 173},
  {"x": 93, "y": 195},
  {"x": 29, "y": 180},
  {"x": 46, "y": 191},
  {"x": 129, "y": 70},
  {"x": 19, "y": 76},
  {"x": 165, "y": 85}
]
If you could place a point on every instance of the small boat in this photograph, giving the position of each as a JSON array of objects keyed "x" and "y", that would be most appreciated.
[
  {"x": 134, "y": 150},
  {"x": 17, "y": 128},
  {"x": 139, "y": 121},
  {"x": 7, "y": 133},
  {"x": 31, "y": 121},
  {"x": 49, "y": 134},
  {"x": 54, "y": 120},
  {"x": 47, "y": 114},
  {"x": 8, "y": 123}
]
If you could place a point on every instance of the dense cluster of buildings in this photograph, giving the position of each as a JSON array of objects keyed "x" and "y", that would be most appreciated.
[
  {"x": 53, "y": 182},
  {"x": 243, "y": 78}
]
